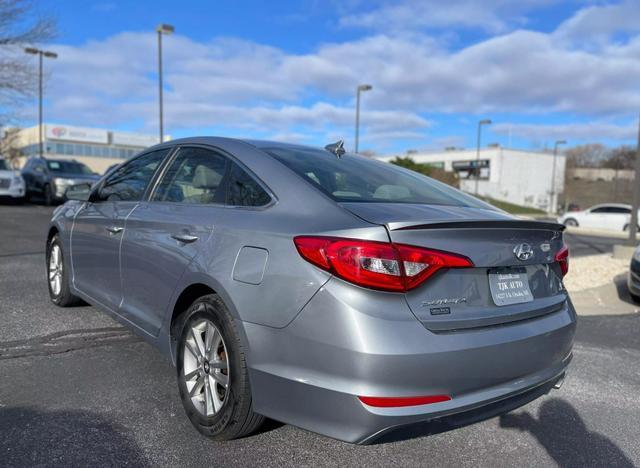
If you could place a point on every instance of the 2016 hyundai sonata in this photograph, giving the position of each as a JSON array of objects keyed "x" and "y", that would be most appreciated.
[{"x": 326, "y": 290}]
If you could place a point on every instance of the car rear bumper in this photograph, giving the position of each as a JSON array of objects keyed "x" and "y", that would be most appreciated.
[{"x": 342, "y": 346}]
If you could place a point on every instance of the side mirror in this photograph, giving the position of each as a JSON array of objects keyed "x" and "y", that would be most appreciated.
[{"x": 80, "y": 192}]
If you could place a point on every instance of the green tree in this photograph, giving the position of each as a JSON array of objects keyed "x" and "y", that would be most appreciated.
[{"x": 437, "y": 173}]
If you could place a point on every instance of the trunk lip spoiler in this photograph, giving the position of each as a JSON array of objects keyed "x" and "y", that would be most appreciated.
[{"x": 476, "y": 224}]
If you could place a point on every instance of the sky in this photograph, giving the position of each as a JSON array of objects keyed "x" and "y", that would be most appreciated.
[{"x": 541, "y": 70}]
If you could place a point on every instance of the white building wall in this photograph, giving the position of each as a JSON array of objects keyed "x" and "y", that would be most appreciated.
[{"x": 520, "y": 177}]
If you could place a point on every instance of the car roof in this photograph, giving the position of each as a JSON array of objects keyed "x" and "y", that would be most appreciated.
[{"x": 260, "y": 144}]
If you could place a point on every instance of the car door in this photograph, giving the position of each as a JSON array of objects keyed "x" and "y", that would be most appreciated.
[
  {"x": 618, "y": 218},
  {"x": 99, "y": 226},
  {"x": 164, "y": 233},
  {"x": 594, "y": 217}
]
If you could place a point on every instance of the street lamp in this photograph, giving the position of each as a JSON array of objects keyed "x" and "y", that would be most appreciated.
[
  {"x": 361, "y": 88},
  {"x": 161, "y": 29},
  {"x": 40, "y": 53},
  {"x": 480, "y": 124},
  {"x": 552, "y": 205}
]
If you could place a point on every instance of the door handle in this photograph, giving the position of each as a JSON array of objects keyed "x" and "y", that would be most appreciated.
[
  {"x": 114, "y": 229},
  {"x": 184, "y": 238}
]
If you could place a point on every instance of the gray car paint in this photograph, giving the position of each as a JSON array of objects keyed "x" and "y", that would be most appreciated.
[{"x": 316, "y": 342}]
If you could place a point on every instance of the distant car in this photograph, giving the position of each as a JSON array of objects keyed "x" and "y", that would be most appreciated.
[
  {"x": 11, "y": 182},
  {"x": 610, "y": 216},
  {"x": 50, "y": 178},
  {"x": 633, "y": 280}
]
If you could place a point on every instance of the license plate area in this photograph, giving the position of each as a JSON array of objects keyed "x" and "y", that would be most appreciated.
[{"x": 509, "y": 286}]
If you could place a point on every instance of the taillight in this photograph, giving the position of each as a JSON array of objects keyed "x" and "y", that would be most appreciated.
[
  {"x": 562, "y": 257},
  {"x": 376, "y": 265},
  {"x": 396, "y": 402}
]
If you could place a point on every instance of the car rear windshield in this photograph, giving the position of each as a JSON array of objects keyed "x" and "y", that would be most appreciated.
[
  {"x": 68, "y": 167},
  {"x": 3, "y": 165},
  {"x": 353, "y": 178}
]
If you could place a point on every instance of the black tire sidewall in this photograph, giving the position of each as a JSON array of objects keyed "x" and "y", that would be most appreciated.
[
  {"x": 48, "y": 196},
  {"x": 571, "y": 222},
  {"x": 212, "y": 308}
]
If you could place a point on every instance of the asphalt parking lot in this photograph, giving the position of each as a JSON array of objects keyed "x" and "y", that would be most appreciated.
[{"x": 78, "y": 389}]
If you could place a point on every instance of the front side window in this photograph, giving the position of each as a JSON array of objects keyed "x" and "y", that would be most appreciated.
[
  {"x": 243, "y": 190},
  {"x": 129, "y": 181},
  {"x": 196, "y": 175},
  {"x": 354, "y": 178}
]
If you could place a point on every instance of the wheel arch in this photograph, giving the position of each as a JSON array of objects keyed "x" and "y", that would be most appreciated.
[
  {"x": 190, "y": 291},
  {"x": 53, "y": 230}
]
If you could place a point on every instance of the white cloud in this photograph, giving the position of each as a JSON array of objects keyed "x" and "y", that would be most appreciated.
[
  {"x": 597, "y": 23},
  {"x": 593, "y": 131},
  {"x": 488, "y": 15},
  {"x": 241, "y": 86}
]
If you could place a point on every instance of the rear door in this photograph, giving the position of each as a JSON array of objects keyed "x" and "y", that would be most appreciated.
[
  {"x": 164, "y": 233},
  {"x": 100, "y": 225}
]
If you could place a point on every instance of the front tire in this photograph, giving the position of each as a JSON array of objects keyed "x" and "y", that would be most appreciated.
[
  {"x": 48, "y": 195},
  {"x": 212, "y": 372},
  {"x": 571, "y": 222},
  {"x": 58, "y": 275}
]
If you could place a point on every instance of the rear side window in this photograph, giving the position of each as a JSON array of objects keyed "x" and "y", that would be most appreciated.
[
  {"x": 196, "y": 175},
  {"x": 354, "y": 178},
  {"x": 129, "y": 181},
  {"x": 243, "y": 190}
]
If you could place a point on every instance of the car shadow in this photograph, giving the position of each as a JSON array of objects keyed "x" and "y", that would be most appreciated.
[
  {"x": 564, "y": 435},
  {"x": 620, "y": 282},
  {"x": 31, "y": 437}
]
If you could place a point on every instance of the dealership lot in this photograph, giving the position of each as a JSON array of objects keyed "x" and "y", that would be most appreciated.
[{"x": 76, "y": 388}]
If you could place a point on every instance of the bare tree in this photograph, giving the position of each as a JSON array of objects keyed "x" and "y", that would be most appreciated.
[
  {"x": 8, "y": 146},
  {"x": 590, "y": 155},
  {"x": 20, "y": 25}
]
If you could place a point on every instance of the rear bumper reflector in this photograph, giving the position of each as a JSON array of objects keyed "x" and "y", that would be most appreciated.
[{"x": 395, "y": 402}]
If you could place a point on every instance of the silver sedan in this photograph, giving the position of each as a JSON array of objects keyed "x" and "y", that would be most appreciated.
[{"x": 322, "y": 289}]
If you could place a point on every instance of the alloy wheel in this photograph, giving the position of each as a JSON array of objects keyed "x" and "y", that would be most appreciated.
[
  {"x": 206, "y": 367},
  {"x": 55, "y": 269}
]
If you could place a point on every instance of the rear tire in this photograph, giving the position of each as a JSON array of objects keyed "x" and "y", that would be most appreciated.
[
  {"x": 571, "y": 222},
  {"x": 47, "y": 195},
  {"x": 58, "y": 275},
  {"x": 626, "y": 228},
  {"x": 209, "y": 345}
]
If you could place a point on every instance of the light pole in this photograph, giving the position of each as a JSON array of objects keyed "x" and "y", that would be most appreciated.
[
  {"x": 633, "y": 225},
  {"x": 40, "y": 53},
  {"x": 480, "y": 124},
  {"x": 361, "y": 88},
  {"x": 161, "y": 29},
  {"x": 552, "y": 205}
]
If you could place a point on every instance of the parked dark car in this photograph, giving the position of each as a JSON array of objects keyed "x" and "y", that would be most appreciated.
[{"x": 50, "y": 178}]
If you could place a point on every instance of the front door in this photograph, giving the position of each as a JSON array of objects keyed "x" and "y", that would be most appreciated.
[{"x": 100, "y": 225}]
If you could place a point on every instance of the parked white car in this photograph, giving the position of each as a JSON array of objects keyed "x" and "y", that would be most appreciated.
[
  {"x": 610, "y": 216},
  {"x": 11, "y": 182}
]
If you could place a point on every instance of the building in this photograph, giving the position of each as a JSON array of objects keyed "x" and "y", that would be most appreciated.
[
  {"x": 97, "y": 148},
  {"x": 514, "y": 176}
]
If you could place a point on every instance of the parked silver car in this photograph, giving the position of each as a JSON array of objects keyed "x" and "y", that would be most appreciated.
[{"x": 325, "y": 290}]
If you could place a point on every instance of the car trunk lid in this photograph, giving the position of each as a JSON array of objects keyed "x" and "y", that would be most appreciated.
[{"x": 456, "y": 299}]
